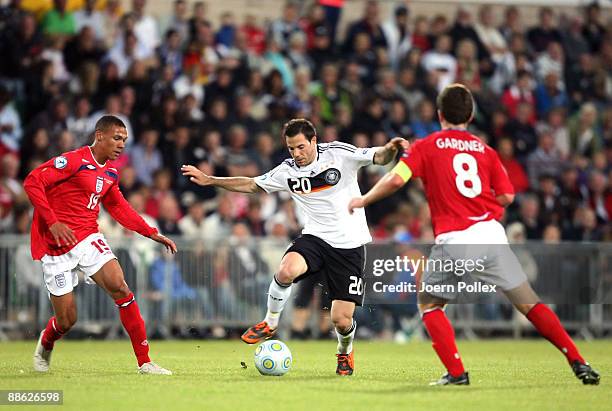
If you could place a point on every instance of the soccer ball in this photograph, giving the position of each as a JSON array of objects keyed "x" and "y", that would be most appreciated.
[{"x": 273, "y": 358}]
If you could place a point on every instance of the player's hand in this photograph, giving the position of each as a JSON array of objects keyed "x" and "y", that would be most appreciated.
[
  {"x": 168, "y": 243},
  {"x": 63, "y": 234},
  {"x": 399, "y": 144},
  {"x": 196, "y": 176},
  {"x": 357, "y": 202}
]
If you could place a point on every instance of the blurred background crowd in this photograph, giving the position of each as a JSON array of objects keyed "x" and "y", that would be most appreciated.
[{"x": 215, "y": 90}]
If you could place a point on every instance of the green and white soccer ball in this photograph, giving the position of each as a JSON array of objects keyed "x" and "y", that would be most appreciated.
[{"x": 273, "y": 358}]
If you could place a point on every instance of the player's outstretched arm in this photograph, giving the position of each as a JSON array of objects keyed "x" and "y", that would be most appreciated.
[
  {"x": 388, "y": 152},
  {"x": 389, "y": 184},
  {"x": 239, "y": 184}
]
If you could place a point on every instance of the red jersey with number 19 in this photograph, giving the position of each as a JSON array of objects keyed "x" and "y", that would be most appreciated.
[
  {"x": 69, "y": 189},
  {"x": 462, "y": 177}
]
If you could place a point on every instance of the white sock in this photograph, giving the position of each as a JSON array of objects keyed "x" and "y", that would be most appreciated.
[
  {"x": 345, "y": 341},
  {"x": 278, "y": 294}
]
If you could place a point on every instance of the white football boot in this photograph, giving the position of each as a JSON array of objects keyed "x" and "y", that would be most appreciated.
[
  {"x": 42, "y": 357},
  {"x": 152, "y": 368}
]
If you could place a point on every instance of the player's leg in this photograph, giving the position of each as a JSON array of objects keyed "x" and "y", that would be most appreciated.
[
  {"x": 60, "y": 280},
  {"x": 291, "y": 267},
  {"x": 549, "y": 326},
  {"x": 342, "y": 318},
  {"x": 301, "y": 308},
  {"x": 442, "y": 336},
  {"x": 110, "y": 278},
  {"x": 344, "y": 278},
  {"x": 324, "y": 312},
  {"x": 439, "y": 328},
  {"x": 64, "y": 308}
]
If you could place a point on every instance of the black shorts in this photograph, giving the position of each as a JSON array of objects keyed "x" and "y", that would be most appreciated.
[{"x": 341, "y": 268}]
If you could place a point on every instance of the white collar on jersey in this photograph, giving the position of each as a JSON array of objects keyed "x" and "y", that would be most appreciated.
[{"x": 94, "y": 158}]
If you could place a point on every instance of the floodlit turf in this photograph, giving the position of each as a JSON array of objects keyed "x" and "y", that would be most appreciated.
[{"x": 512, "y": 375}]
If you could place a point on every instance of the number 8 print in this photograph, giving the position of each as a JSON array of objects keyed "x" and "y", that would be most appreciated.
[{"x": 463, "y": 175}]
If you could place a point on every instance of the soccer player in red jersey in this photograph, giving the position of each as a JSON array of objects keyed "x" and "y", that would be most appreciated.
[
  {"x": 467, "y": 189},
  {"x": 66, "y": 192}
]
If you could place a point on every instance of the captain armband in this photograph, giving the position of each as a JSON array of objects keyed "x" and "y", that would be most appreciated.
[{"x": 402, "y": 170}]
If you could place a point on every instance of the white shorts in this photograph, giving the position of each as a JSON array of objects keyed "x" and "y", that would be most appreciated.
[
  {"x": 486, "y": 241},
  {"x": 88, "y": 256},
  {"x": 484, "y": 232}
]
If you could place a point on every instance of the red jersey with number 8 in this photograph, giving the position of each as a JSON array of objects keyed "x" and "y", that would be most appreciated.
[
  {"x": 69, "y": 189},
  {"x": 462, "y": 177}
]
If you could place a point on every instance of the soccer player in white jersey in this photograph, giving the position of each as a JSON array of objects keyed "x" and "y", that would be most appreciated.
[{"x": 321, "y": 179}]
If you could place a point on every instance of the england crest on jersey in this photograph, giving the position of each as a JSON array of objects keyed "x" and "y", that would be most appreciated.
[{"x": 99, "y": 184}]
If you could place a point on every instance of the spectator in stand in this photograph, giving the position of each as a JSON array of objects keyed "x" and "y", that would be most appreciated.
[
  {"x": 594, "y": 31},
  {"x": 398, "y": 36},
  {"x": 521, "y": 92},
  {"x": 329, "y": 94},
  {"x": 426, "y": 122},
  {"x": 226, "y": 35},
  {"x": 441, "y": 62},
  {"x": 90, "y": 17},
  {"x": 239, "y": 160},
  {"x": 145, "y": 27},
  {"x": 146, "y": 157},
  {"x": 522, "y": 131},
  {"x": 420, "y": 39},
  {"x": 555, "y": 124},
  {"x": 550, "y": 94},
  {"x": 281, "y": 29},
  {"x": 516, "y": 172},
  {"x": 58, "y": 20},
  {"x": 584, "y": 131},
  {"x": 468, "y": 69},
  {"x": 586, "y": 81},
  {"x": 529, "y": 216},
  {"x": 545, "y": 32},
  {"x": 600, "y": 197},
  {"x": 574, "y": 43},
  {"x": 512, "y": 24},
  {"x": 464, "y": 29},
  {"x": 169, "y": 215},
  {"x": 551, "y": 61},
  {"x": 548, "y": 195},
  {"x": 177, "y": 21},
  {"x": 192, "y": 224},
  {"x": 10, "y": 124},
  {"x": 369, "y": 24},
  {"x": 255, "y": 35}
]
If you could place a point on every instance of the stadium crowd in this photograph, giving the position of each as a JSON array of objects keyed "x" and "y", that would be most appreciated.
[{"x": 214, "y": 92}]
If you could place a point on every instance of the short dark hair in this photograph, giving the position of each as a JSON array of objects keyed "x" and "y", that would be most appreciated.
[
  {"x": 299, "y": 126},
  {"x": 456, "y": 104},
  {"x": 106, "y": 122}
]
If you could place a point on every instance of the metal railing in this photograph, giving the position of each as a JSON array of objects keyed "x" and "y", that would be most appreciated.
[{"x": 224, "y": 283}]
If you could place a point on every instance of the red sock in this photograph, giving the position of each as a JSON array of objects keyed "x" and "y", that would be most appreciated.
[
  {"x": 51, "y": 334},
  {"x": 443, "y": 340},
  {"x": 134, "y": 325},
  {"x": 548, "y": 325}
]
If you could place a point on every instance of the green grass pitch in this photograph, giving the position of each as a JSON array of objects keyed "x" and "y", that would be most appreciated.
[{"x": 505, "y": 375}]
